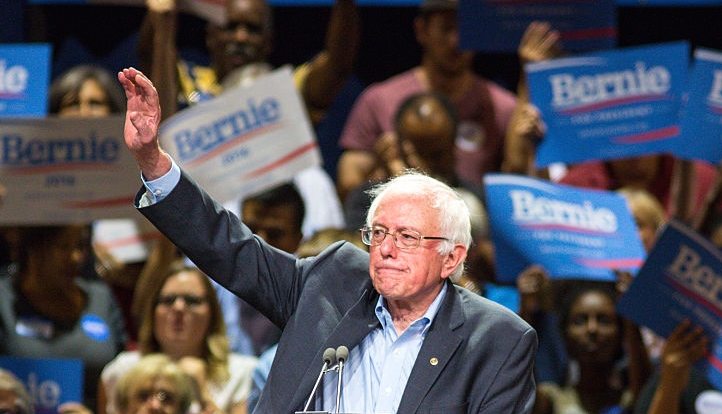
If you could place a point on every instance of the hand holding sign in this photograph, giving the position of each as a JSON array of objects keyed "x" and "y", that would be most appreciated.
[{"x": 684, "y": 347}]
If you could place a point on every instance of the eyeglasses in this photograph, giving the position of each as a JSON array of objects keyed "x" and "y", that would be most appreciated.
[
  {"x": 403, "y": 239},
  {"x": 250, "y": 27},
  {"x": 163, "y": 397},
  {"x": 190, "y": 300}
]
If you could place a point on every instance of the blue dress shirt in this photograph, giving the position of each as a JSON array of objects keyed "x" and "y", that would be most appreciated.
[{"x": 378, "y": 368}]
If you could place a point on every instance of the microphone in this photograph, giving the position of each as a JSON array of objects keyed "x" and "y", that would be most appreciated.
[
  {"x": 329, "y": 358},
  {"x": 341, "y": 356}
]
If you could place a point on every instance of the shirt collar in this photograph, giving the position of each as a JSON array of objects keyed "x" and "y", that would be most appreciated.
[{"x": 384, "y": 316}]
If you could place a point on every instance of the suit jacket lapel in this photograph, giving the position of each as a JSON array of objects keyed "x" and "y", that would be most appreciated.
[
  {"x": 440, "y": 343},
  {"x": 350, "y": 331}
]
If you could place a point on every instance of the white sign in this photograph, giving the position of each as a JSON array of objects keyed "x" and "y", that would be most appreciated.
[
  {"x": 127, "y": 240},
  {"x": 211, "y": 10},
  {"x": 65, "y": 170},
  {"x": 246, "y": 140}
]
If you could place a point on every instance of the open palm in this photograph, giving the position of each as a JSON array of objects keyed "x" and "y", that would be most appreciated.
[{"x": 143, "y": 113}]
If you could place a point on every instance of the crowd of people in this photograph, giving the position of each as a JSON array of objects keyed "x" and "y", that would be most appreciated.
[{"x": 392, "y": 256}]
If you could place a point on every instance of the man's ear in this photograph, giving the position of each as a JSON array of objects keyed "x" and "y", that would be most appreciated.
[{"x": 453, "y": 259}]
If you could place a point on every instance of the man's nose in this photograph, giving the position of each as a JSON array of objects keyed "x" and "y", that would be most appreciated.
[
  {"x": 388, "y": 248},
  {"x": 155, "y": 405},
  {"x": 592, "y": 325},
  {"x": 453, "y": 38},
  {"x": 241, "y": 34},
  {"x": 179, "y": 304}
]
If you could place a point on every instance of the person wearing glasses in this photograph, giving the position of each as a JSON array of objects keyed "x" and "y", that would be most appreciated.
[
  {"x": 417, "y": 342},
  {"x": 182, "y": 319}
]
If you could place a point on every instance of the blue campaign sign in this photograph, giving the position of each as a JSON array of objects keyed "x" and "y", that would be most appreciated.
[
  {"x": 681, "y": 279},
  {"x": 498, "y": 25},
  {"x": 614, "y": 104},
  {"x": 24, "y": 78},
  {"x": 571, "y": 232},
  {"x": 702, "y": 113},
  {"x": 668, "y": 2},
  {"x": 50, "y": 382}
]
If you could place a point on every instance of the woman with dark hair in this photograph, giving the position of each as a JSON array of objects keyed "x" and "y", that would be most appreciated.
[
  {"x": 48, "y": 311},
  {"x": 608, "y": 362},
  {"x": 183, "y": 320},
  {"x": 86, "y": 91}
]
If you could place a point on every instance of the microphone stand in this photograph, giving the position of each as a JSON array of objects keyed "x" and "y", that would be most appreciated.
[
  {"x": 341, "y": 356},
  {"x": 329, "y": 356}
]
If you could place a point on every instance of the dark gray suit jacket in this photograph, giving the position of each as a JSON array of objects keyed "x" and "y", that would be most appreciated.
[{"x": 476, "y": 358}]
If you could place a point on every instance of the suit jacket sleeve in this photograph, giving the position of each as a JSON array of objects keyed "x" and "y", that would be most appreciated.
[
  {"x": 226, "y": 250},
  {"x": 513, "y": 390}
]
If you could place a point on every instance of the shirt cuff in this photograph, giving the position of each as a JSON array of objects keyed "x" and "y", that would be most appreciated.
[{"x": 158, "y": 189}]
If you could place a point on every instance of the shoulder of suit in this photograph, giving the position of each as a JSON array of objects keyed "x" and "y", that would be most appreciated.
[
  {"x": 476, "y": 306},
  {"x": 345, "y": 253}
]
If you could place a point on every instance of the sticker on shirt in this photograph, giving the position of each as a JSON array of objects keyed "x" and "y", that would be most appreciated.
[
  {"x": 34, "y": 327},
  {"x": 470, "y": 136},
  {"x": 708, "y": 402},
  {"x": 95, "y": 327}
]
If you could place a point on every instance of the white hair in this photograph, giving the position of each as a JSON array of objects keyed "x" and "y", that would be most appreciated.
[{"x": 453, "y": 213}]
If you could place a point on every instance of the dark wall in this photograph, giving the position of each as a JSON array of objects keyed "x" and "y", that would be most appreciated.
[{"x": 107, "y": 35}]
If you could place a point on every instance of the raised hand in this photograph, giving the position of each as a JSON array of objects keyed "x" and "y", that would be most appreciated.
[
  {"x": 142, "y": 118},
  {"x": 161, "y": 6},
  {"x": 685, "y": 345},
  {"x": 527, "y": 122},
  {"x": 534, "y": 288},
  {"x": 539, "y": 42},
  {"x": 388, "y": 154},
  {"x": 623, "y": 279},
  {"x": 525, "y": 131}
]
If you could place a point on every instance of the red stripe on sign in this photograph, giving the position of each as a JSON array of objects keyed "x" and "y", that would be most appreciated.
[
  {"x": 284, "y": 160},
  {"x": 233, "y": 142},
  {"x": 657, "y": 134},
  {"x": 109, "y": 202},
  {"x": 75, "y": 166},
  {"x": 611, "y": 263},
  {"x": 591, "y": 33}
]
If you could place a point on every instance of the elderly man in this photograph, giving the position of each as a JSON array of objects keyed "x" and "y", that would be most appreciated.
[{"x": 418, "y": 343}]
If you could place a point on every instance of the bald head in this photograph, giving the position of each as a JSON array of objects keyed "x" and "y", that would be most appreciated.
[
  {"x": 427, "y": 123},
  {"x": 245, "y": 38}
]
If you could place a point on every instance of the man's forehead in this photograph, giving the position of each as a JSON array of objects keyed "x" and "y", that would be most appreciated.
[
  {"x": 403, "y": 207},
  {"x": 237, "y": 8}
]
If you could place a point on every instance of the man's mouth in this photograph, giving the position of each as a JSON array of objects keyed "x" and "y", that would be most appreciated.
[{"x": 239, "y": 50}]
